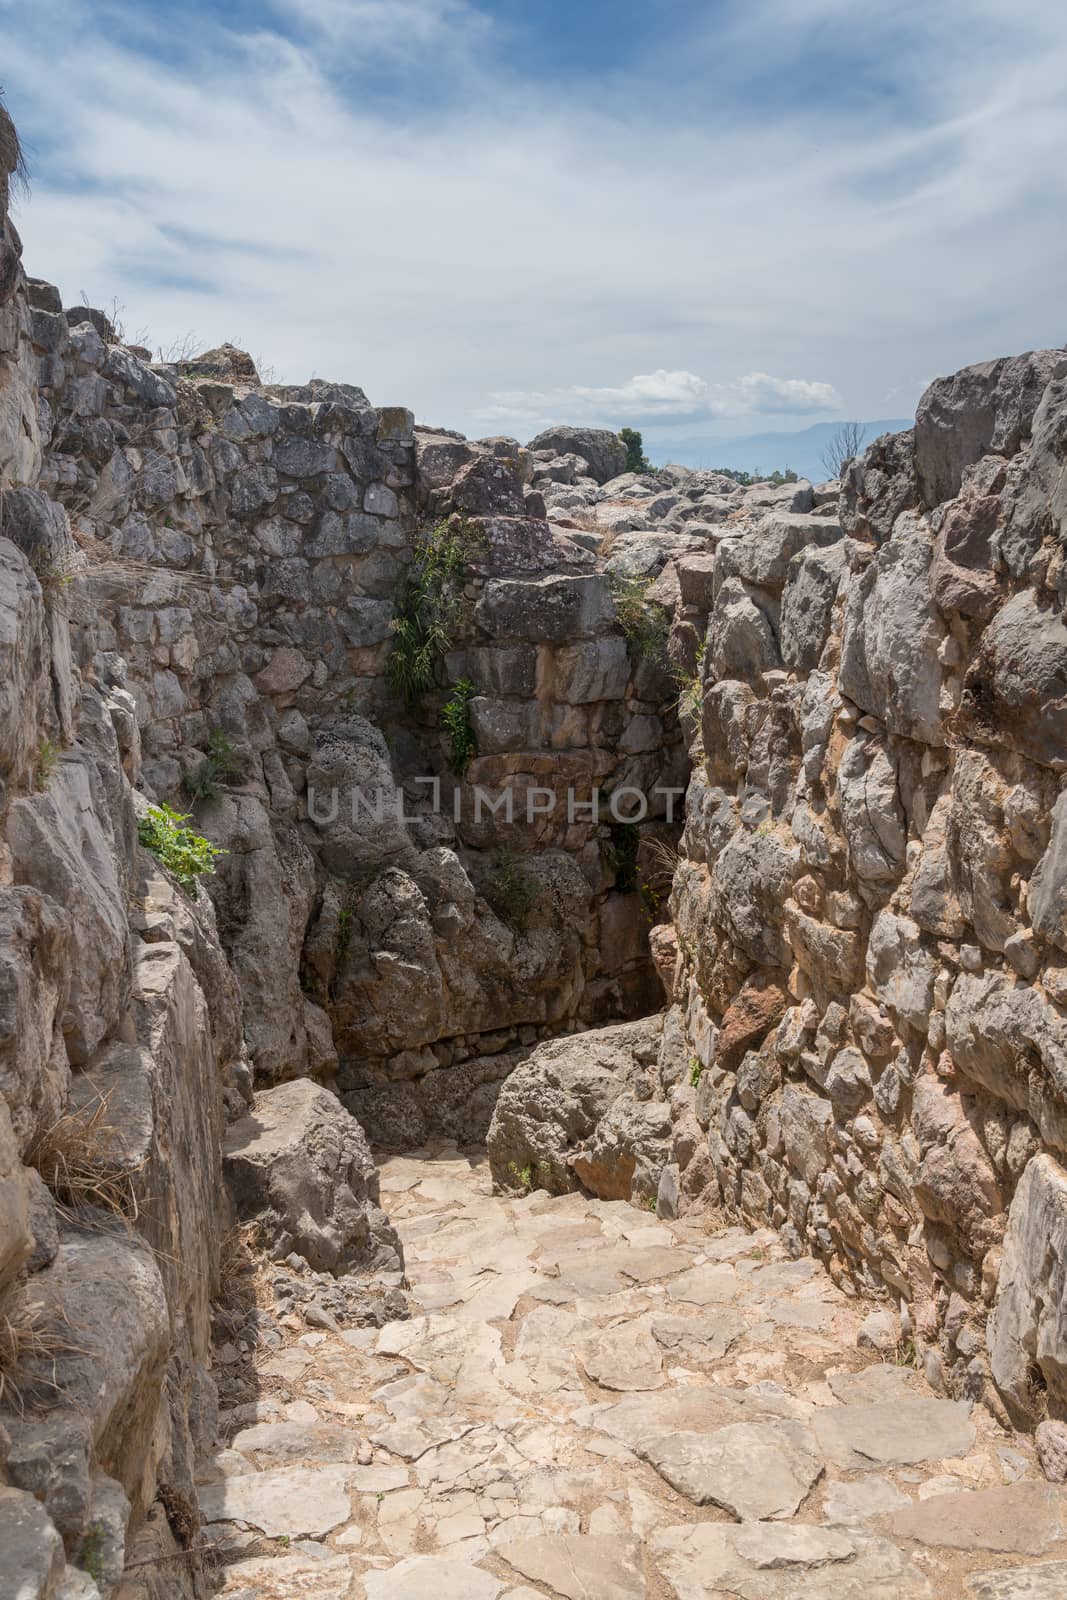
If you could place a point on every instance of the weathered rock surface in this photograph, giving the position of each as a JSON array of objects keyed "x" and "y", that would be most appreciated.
[
  {"x": 570, "y": 1116},
  {"x": 298, "y": 1164},
  {"x": 495, "y": 1475}
]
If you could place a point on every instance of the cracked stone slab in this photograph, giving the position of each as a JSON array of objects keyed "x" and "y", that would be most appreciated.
[
  {"x": 1048, "y": 1582},
  {"x": 1024, "y": 1518},
  {"x": 431, "y": 1578},
  {"x": 862, "y": 1499},
  {"x": 282, "y": 1444},
  {"x": 322, "y": 1576},
  {"x": 699, "y": 1340},
  {"x": 298, "y": 1502},
  {"x": 752, "y": 1470},
  {"x": 706, "y": 1286},
  {"x": 578, "y": 1566},
  {"x": 788, "y": 1561},
  {"x": 883, "y": 1381},
  {"x": 894, "y": 1433},
  {"x": 624, "y": 1358}
]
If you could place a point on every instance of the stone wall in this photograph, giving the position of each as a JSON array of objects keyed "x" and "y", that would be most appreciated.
[
  {"x": 867, "y": 1039},
  {"x": 120, "y": 1039},
  {"x": 241, "y": 551},
  {"x": 198, "y": 575}
]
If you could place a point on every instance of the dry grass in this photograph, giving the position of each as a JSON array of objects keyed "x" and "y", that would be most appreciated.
[
  {"x": 77, "y": 1159},
  {"x": 243, "y": 1281},
  {"x": 12, "y": 159},
  {"x": 31, "y": 1342}
]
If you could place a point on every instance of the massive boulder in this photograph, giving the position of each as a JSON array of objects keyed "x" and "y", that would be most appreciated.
[
  {"x": 299, "y": 1166},
  {"x": 574, "y": 1116},
  {"x": 984, "y": 409},
  {"x": 1028, "y": 1325},
  {"x": 603, "y": 451}
]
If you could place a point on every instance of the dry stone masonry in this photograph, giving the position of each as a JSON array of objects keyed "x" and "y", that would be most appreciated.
[{"x": 790, "y": 756}]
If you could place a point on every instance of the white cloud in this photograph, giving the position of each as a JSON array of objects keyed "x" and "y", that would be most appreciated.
[
  {"x": 662, "y": 396},
  {"x": 781, "y": 396},
  {"x": 480, "y": 235},
  {"x": 405, "y": 27}
]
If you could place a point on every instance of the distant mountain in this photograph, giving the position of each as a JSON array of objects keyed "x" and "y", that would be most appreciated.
[{"x": 764, "y": 452}]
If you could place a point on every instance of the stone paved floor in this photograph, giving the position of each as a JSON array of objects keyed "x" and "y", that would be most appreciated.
[{"x": 594, "y": 1404}]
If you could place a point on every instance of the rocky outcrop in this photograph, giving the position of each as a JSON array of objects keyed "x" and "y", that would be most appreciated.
[
  {"x": 124, "y": 1022},
  {"x": 298, "y": 1165},
  {"x": 580, "y": 1113},
  {"x": 865, "y": 1040},
  {"x": 391, "y": 908},
  {"x": 872, "y": 845}
]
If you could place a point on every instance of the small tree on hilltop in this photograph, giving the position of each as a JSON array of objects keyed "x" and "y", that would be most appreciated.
[
  {"x": 846, "y": 443},
  {"x": 636, "y": 460}
]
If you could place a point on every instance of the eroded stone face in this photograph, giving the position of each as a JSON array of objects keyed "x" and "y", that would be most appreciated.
[{"x": 867, "y": 1043}]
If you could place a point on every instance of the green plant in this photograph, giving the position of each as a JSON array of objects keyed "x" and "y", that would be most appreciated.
[
  {"x": 690, "y": 700},
  {"x": 511, "y": 890},
  {"x": 905, "y": 1354},
  {"x": 91, "y": 1557},
  {"x": 696, "y": 1067},
  {"x": 644, "y": 623},
  {"x": 184, "y": 853},
  {"x": 431, "y": 608},
  {"x": 456, "y": 721},
  {"x": 44, "y": 769},
  {"x": 621, "y": 855},
  {"x": 746, "y": 479},
  {"x": 636, "y": 460},
  {"x": 650, "y": 1203},
  {"x": 344, "y": 934},
  {"x": 523, "y": 1176},
  {"x": 219, "y": 766}
]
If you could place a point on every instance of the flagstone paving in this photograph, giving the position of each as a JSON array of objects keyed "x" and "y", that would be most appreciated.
[{"x": 593, "y": 1404}]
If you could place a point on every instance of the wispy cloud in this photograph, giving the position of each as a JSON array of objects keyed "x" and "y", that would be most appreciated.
[
  {"x": 662, "y": 396},
  {"x": 371, "y": 190}
]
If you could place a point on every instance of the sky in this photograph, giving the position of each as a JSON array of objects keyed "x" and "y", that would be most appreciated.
[{"x": 693, "y": 217}]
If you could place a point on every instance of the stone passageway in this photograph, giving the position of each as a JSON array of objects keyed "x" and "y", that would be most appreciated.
[{"x": 591, "y": 1403}]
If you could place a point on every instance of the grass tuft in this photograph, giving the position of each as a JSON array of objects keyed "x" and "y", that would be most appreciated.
[
  {"x": 456, "y": 721},
  {"x": 31, "y": 1342},
  {"x": 431, "y": 609},
  {"x": 511, "y": 891},
  {"x": 72, "y": 1156}
]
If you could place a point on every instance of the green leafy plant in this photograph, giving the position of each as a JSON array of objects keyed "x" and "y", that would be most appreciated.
[
  {"x": 44, "y": 769},
  {"x": 344, "y": 934},
  {"x": 650, "y": 1203},
  {"x": 523, "y": 1176},
  {"x": 431, "y": 608},
  {"x": 636, "y": 460},
  {"x": 219, "y": 766},
  {"x": 511, "y": 890},
  {"x": 91, "y": 1558},
  {"x": 644, "y": 623},
  {"x": 696, "y": 1067},
  {"x": 184, "y": 853},
  {"x": 456, "y": 721}
]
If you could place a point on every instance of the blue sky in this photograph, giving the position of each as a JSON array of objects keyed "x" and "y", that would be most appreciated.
[{"x": 714, "y": 217}]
